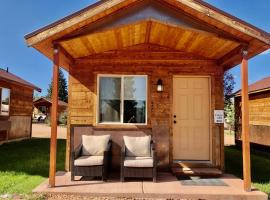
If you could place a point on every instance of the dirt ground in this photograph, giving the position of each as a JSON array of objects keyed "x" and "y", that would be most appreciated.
[
  {"x": 44, "y": 131},
  {"x": 229, "y": 140}
]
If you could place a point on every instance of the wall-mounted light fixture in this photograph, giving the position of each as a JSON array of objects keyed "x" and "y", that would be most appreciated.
[{"x": 159, "y": 85}]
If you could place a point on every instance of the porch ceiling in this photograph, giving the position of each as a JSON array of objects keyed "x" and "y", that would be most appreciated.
[{"x": 175, "y": 37}]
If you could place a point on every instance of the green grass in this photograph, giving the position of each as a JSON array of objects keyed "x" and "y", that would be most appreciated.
[
  {"x": 25, "y": 164},
  {"x": 260, "y": 166}
]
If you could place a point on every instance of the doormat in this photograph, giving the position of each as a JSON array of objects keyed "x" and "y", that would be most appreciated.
[{"x": 197, "y": 181}]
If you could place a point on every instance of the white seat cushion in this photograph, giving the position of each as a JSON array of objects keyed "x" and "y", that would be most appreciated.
[
  {"x": 138, "y": 162},
  {"x": 137, "y": 146},
  {"x": 94, "y": 145},
  {"x": 89, "y": 161}
]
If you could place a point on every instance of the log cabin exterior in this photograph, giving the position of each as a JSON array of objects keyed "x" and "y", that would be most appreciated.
[
  {"x": 259, "y": 106},
  {"x": 44, "y": 105},
  {"x": 114, "y": 48},
  {"x": 16, "y": 107}
]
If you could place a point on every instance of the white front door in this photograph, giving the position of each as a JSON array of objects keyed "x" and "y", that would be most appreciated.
[{"x": 191, "y": 127}]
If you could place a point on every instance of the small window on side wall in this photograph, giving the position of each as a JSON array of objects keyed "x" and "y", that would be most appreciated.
[
  {"x": 122, "y": 99},
  {"x": 5, "y": 101}
]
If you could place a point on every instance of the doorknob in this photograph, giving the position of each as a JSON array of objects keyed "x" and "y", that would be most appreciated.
[
  {"x": 174, "y": 122},
  {"x": 174, "y": 116}
]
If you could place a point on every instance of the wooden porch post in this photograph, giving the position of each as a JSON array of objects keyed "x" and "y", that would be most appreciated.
[
  {"x": 245, "y": 123},
  {"x": 53, "y": 145}
]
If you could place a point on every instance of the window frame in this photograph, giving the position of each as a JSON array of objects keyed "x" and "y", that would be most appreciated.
[
  {"x": 122, "y": 76},
  {"x": 9, "y": 100}
]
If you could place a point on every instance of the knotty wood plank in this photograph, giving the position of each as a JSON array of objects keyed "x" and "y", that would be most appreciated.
[{"x": 53, "y": 144}]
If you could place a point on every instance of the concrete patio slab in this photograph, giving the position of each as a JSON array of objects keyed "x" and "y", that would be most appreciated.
[{"x": 167, "y": 187}]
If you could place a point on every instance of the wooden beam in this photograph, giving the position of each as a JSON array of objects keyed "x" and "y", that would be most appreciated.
[
  {"x": 227, "y": 57},
  {"x": 144, "y": 62},
  {"x": 65, "y": 54},
  {"x": 245, "y": 123},
  {"x": 148, "y": 31},
  {"x": 53, "y": 144},
  {"x": 144, "y": 55}
]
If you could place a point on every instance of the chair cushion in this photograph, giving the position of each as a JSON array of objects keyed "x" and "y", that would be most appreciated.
[
  {"x": 138, "y": 162},
  {"x": 94, "y": 145},
  {"x": 138, "y": 146},
  {"x": 89, "y": 161}
]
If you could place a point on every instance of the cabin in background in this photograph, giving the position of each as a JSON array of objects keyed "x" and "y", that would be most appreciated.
[
  {"x": 42, "y": 106},
  {"x": 16, "y": 107},
  {"x": 259, "y": 112}
]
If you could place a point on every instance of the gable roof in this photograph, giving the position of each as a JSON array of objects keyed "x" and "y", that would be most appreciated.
[
  {"x": 259, "y": 86},
  {"x": 9, "y": 77},
  {"x": 257, "y": 39},
  {"x": 197, "y": 5},
  {"x": 60, "y": 103}
]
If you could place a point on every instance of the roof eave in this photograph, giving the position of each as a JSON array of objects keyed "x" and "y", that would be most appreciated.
[{"x": 212, "y": 11}]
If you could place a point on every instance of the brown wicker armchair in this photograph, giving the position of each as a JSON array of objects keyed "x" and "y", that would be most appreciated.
[
  {"x": 138, "y": 166},
  {"x": 90, "y": 165}
]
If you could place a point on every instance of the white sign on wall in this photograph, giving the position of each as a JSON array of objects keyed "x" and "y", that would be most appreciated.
[{"x": 219, "y": 116}]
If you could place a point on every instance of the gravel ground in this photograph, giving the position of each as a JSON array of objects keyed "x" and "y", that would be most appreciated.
[{"x": 79, "y": 197}]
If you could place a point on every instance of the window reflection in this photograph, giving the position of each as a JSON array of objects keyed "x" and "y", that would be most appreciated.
[
  {"x": 5, "y": 101},
  {"x": 109, "y": 99},
  {"x": 133, "y": 98}
]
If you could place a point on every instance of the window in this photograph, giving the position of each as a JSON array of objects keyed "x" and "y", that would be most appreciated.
[
  {"x": 42, "y": 109},
  {"x": 122, "y": 99},
  {"x": 5, "y": 101}
]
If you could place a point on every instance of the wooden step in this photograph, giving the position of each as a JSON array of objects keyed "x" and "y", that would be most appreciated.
[
  {"x": 183, "y": 164},
  {"x": 186, "y": 171}
]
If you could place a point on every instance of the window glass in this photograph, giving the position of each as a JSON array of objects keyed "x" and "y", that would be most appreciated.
[
  {"x": 5, "y": 101},
  {"x": 134, "y": 99},
  {"x": 42, "y": 109},
  {"x": 122, "y": 99},
  {"x": 109, "y": 99}
]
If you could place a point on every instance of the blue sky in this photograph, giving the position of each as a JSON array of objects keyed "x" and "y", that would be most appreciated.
[{"x": 18, "y": 18}]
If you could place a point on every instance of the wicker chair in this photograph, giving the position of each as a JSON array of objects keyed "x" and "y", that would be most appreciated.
[
  {"x": 138, "y": 166},
  {"x": 90, "y": 166}
]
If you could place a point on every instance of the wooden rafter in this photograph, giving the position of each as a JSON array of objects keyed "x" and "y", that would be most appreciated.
[{"x": 226, "y": 58}]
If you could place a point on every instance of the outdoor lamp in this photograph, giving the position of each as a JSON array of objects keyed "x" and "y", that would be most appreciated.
[{"x": 159, "y": 85}]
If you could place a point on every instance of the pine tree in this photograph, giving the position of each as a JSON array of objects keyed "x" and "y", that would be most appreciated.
[
  {"x": 62, "y": 87},
  {"x": 228, "y": 103}
]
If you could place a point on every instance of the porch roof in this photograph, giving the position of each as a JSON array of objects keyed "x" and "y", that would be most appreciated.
[{"x": 78, "y": 38}]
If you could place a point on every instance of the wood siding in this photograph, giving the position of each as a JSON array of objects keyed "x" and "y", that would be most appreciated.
[
  {"x": 21, "y": 108},
  {"x": 83, "y": 96},
  {"x": 259, "y": 117}
]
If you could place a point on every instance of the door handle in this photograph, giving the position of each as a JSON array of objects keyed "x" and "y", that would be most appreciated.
[
  {"x": 174, "y": 122},
  {"x": 174, "y": 116}
]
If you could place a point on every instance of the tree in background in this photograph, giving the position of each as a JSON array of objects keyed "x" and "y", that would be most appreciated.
[
  {"x": 228, "y": 103},
  {"x": 62, "y": 87}
]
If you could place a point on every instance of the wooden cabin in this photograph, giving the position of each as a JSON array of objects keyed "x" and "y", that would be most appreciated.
[
  {"x": 259, "y": 109},
  {"x": 16, "y": 107},
  {"x": 150, "y": 67},
  {"x": 43, "y": 106}
]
